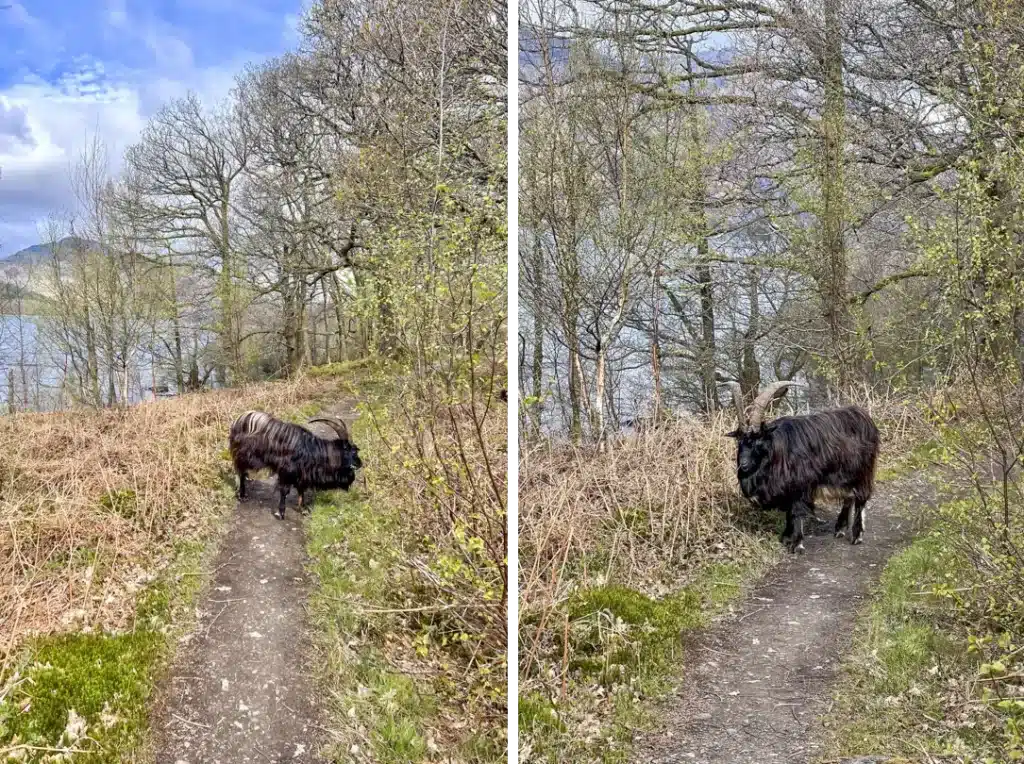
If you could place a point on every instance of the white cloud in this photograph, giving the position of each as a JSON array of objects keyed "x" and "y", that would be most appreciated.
[
  {"x": 58, "y": 118},
  {"x": 50, "y": 125},
  {"x": 45, "y": 125}
]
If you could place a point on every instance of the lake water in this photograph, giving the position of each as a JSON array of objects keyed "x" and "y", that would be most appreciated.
[{"x": 44, "y": 378}]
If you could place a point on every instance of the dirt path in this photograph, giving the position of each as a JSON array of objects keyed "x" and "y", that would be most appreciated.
[
  {"x": 240, "y": 690},
  {"x": 760, "y": 680}
]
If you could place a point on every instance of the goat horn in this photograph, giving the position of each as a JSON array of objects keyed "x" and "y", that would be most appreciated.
[
  {"x": 770, "y": 393},
  {"x": 335, "y": 424},
  {"x": 737, "y": 400}
]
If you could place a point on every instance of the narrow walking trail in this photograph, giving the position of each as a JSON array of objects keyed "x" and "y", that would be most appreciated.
[
  {"x": 757, "y": 683},
  {"x": 240, "y": 689}
]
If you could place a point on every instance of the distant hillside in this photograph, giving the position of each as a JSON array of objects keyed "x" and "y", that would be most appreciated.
[{"x": 39, "y": 253}]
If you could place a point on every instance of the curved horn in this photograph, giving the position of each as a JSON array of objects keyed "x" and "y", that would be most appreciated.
[
  {"x": 335, "y": 424},
  {"x": 770, "y": 393},
  {"x": 737, "y": 401}
]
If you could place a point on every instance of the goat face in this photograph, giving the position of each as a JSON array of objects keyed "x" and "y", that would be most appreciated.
[
  {"x": 344, "y": 473},
  {"x": 352, "y": 453},
  {"x": 752, "y": 448}
]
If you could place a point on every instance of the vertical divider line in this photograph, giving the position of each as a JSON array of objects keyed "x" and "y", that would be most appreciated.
[{"x": 513, "y": 382}]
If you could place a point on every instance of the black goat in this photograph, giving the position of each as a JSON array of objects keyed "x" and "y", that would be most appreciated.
[
  {"x": 298, "y": 457},
  {"x": 785, "y": 463}
]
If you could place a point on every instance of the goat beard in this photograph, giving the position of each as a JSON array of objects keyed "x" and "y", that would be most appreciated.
[{"x": 752, "y": 488}]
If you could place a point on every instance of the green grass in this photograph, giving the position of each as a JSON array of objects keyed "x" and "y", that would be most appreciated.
[
  {"x": 629, "y": 644},
  {"x": 345, "y": 368},
  {"x": 924, "y": 454},
  {"x": 103, "y": 679},
  {"x": 896, "y": 682},
  {"x": 352, "y": 546}
]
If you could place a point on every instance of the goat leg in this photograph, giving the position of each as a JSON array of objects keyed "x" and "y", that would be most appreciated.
[
  {"x": 241, "y": 485},
  {"x": 796, "y": 544},
  {"x": 844, "y": 518},
  {"x": 857, "y": 532},
  {"x": 799, "y": 510},
  {"x": 788, "y": 530},
  {"x": 283, "y": 489}
]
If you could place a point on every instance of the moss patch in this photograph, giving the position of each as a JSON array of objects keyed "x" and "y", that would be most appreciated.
[
  {"x": 103, "y": 680},
  {"x": 628, "y": 644},
  {"x": 86, "y": 694}
]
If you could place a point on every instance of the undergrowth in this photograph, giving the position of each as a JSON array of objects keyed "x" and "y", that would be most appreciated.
[
  {"x": 937, "y": 668},
  {"x": 621, "y": 554},
  {"x": 409, "y": 610}
]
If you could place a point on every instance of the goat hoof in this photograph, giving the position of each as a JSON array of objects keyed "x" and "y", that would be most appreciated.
[
  {"x": 840, "y": 534},
  {"x": 798, "y": 549},
  {"x": 279, "y": 515},
  {"x": 858, "y": 540}
]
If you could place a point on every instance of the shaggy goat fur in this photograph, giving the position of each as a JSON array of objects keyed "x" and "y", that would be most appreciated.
[
  {"x": 297, "y": 456},
  {"x": 783, "y": 464}
]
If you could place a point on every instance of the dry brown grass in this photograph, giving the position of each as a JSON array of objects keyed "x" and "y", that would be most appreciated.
[
  {"x": 92, "y": 503},
  {"x": 902, "y": 419},
  {"x": 650, "y": 515}
]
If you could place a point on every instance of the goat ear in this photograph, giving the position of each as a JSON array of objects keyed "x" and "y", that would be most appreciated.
[{"x": 734, "y": 434}]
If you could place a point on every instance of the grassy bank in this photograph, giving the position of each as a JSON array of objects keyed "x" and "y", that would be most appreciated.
[
  {"x": 621, "y": 554},
  {"x": 935, "y": 673},
  {"x": 109, "y": 519},
  {"x": 409, "y": 611}
]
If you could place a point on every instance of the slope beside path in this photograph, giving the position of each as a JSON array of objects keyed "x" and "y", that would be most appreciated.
[{"x": 758, "y": 682}]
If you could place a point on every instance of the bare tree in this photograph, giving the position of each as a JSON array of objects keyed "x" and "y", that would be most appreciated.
[{"x": 189, "y": 166}]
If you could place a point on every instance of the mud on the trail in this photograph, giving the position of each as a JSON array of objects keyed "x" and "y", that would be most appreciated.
[
  {"x": 757, "y": 683},
  {"x": 240, "y": 690}
]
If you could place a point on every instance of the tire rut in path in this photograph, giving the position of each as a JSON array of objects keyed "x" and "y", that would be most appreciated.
[
  {"x": 240, "y": 690},
  {"x": 758, "y": 682}
]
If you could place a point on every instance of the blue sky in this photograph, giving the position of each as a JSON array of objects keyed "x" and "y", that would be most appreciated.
[{"x": 72, "y": 68}]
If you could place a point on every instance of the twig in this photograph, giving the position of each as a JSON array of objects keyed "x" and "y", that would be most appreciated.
[
  {"x": 752, "y": 612},
  {"x": 26, "y": 747},
  {"x": 194, "y": 724},
  {"x": 425, "y": 608}
]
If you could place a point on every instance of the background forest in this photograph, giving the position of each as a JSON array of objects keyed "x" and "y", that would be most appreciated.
[{"x": 734, "y": 193}]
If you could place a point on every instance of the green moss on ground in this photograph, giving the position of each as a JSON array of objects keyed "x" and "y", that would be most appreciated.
[
  {"x": 626, "y": 645},
  {"x": 86, "y": 694},
  {"x": 352, "y": 547}
]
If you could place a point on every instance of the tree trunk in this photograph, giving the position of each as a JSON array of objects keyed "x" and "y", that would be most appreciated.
[
  {"x": 92, "y": 362},
  {"x": 289, "y": 331},
  {"x": 575, "y": 389},
  {"x": 706, "y": 288},
  {"x": 832, "y": 281},
  {"x": 12, "y": 393},
  {"x": 599, "y": 393},
  {"x": 750, "y": 370},
  {"x": 538, "y": 328},
  {"x": 709, "y": 389},
  {"x": 179, "y": 363},
  {"x": 656, "y": 342}
]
